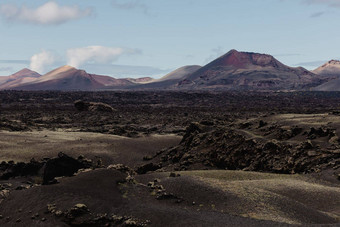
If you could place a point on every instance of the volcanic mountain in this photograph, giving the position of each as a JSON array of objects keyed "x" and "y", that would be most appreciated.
[
  {"x": 181, "y": 73},
  {"x": 69, "y": 78},
  {"x": 19, "y": 78},
  {"x": 250, "y": 71},
  {"x": 331, "y": 68},
  {"x": 171, "y": 79}
]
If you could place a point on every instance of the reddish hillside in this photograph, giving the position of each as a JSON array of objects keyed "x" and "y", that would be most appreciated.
[
  {"x": 69, "y": 78},
  {"x": 19, "y": 78},
  {"x": 250, "y": 71}
]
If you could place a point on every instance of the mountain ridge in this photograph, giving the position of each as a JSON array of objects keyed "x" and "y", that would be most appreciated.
[
  {"x": 69, "y": 78},
  {"x": 234, "y": 70}
]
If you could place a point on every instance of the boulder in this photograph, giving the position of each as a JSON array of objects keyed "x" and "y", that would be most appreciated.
[
  {"x": 63, "y": 165},
  {"x": 147, "y": 168}
]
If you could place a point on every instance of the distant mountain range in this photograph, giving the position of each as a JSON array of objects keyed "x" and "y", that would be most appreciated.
[
  {"x": 232, "y": 71},
  {"x": 63, "y": 78}
]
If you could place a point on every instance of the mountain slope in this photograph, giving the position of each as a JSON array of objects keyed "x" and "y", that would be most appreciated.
[
  {"x": 250, "y": 71},
  {"x": 170, "y": 80},
  {"x": 331, "y": 68},
  {"x": 181, "y": 73},
  {"x": 69, "y": 78},
  {"x": 142, "y": 80},
  {"x": 16, "y": 79},
  {"x": 333, "y": 85}
]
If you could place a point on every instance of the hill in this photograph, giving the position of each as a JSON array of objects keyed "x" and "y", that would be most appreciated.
[
  {"x": 19, "y": 78},
  {"x": 170, "y": 80},
  {"x": 331, "y": 68},
  {"x": 250, "y": 71},
  {"x": 69, "y": 78}
]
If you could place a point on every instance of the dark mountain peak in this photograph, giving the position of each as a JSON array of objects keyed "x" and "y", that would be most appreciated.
[
  {"x": 249, "y": 71},
  {"x": 238, "y": 59},
  {"x": 333, "y": 62}
]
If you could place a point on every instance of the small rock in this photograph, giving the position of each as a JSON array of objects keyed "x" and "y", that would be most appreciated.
[
  {"x": 117, "y": 218},
  {"x": 262, "y": 124},
  {"x": 130, "y": 222},
  {"x": 312, "y": 153},
  {"x": 58, "y": 213},
  {"x": 172, "y": 174},
  {"x": 147, "y": 168},
  {"x": 21, "y": 187},
  {"x": 147, "y": 158},
  {"x": 80, "y": 206}
]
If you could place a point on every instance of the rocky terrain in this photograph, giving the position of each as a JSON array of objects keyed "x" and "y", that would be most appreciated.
[
  {"x": 279, "y": 144},
  {"x": 143, "y": 158}
]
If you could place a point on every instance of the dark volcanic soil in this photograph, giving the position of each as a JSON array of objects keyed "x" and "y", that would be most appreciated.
[
  {"x": 186, "y": 159},
  {"x": 150, "y": 112}
]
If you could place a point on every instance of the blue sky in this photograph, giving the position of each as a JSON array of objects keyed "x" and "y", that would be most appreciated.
[{"x": 151, "y": 37}]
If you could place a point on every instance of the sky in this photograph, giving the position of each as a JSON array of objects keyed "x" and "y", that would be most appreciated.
[{"x": 134, "y": 38}]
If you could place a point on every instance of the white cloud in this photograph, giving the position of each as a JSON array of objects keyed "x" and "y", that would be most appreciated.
[
  {"x": 42, "y": 60},
  {"x": 49, "y": 13},
  {"x": 96, "y": 54}
]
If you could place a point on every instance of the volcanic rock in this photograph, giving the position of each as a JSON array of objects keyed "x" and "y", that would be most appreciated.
[
  {"x": 64, "y": 165},
  {"x": 227, "y": 148},
  {"x": 147, "y": 168},
  {"x": 92, "y": 106}
]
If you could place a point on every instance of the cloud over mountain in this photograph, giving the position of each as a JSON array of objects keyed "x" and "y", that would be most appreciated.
[
  {"x": 96, "y": 54},
  {"x": 49, "y": 13},
  {"x": 40, "y": 61}
]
